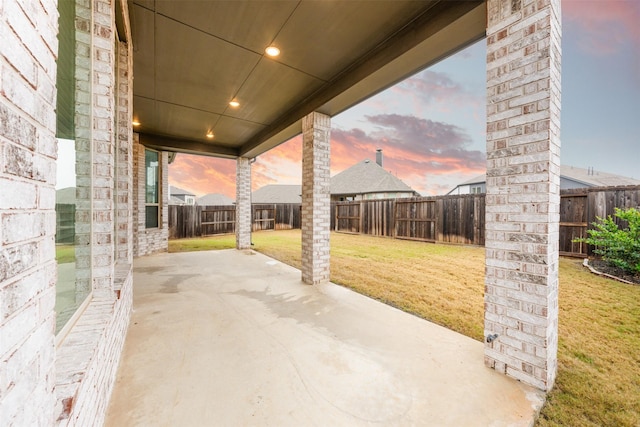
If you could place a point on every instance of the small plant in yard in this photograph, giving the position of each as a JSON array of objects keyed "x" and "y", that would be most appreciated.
[{"x": 618, "y": 247}]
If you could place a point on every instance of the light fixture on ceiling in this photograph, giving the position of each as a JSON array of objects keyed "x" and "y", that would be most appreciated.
[
  {"x": 135, "y": 123},
  {"x": 272, "y": 51},
  {"x": 234, "y": 104},
  {"x": 210, "y": 135}
]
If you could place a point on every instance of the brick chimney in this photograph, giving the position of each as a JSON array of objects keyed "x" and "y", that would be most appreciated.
[{"x": 379, "y": 157}]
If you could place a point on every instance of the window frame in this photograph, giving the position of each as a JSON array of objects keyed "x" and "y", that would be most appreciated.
[{"x": 158, "y": 191}]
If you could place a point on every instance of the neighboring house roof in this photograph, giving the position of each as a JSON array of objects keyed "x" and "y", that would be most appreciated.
[
  {"x": 595, "y": 178},
  {"x": 584, "y": 176},
  {"x": 66, "y": 196},
  {"x": 175, "y": 191},
  {"x": 367, "y": 177},
  {"x": 277, "y": 194},
  {"x": 173, "y": 200},
  {"x": 214, "y": 199},
  {"x": 480, "y": 179}
]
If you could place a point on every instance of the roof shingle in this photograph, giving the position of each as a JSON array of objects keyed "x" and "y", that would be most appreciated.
[{"x": 366, "y": 177}]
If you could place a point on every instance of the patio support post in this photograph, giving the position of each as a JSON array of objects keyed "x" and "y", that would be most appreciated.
[
  {"x": 243, "y": 203},
  {"x": 316, "y": 198},
  {"x": 523, "y": 189}
]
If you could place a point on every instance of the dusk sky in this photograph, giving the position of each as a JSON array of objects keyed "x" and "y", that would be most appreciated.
[{"x": 431, "y": 127}]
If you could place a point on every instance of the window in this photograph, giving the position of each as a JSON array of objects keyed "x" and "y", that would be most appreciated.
[
  {"x": 73, "y": 171},
  {"x": 152, "y": 189},
  {"x": 477, "y": 189}
]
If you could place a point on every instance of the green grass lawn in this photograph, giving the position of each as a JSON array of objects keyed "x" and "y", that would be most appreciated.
[
  {"x": 65, "y": 254},
  {"x": 598, "y": 382}
]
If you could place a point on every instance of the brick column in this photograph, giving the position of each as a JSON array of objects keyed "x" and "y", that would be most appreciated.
[
  {"x": 316, "y": 198},
  {"x": 124, "y": 155},
  {"x": 243, "y": 203},
  {"x": 103, "y": 144},
  {"x": 523, "y": 188}
]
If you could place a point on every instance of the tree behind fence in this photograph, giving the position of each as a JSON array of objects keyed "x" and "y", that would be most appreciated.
[{"x": 451, "y": 219}]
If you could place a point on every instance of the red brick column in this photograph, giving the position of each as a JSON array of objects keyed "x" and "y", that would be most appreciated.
[{"x": 523, "y": 188}]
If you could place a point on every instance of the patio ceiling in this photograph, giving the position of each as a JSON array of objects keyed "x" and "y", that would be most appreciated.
[{"x": 191, "y": 58}]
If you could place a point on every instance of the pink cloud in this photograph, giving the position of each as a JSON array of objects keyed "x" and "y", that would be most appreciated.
[
  {"x": 281, "y": 165},
  {"x": 605, "y": 27},
  {"x": 430, "y": 156},
  {"x": 431, "y": 88},
  {"x": 203, "y": 175},
  {"x": 423, "y": 153}
]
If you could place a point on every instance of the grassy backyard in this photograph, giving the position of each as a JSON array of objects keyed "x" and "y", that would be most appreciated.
[
  {"x": 65, "y": 253},
  {"x": 598, "y": 381}
]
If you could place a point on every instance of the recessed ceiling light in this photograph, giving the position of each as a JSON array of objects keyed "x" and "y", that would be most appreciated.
[
  {"x": 272, "y": 51},
  {"x": 135, "y": 123},
  {"x": 234, "y": 104},
  {"x": 210, "y": 135}
]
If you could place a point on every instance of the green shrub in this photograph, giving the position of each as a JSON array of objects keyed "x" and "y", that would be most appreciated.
[{"x": 620, "y": 248}]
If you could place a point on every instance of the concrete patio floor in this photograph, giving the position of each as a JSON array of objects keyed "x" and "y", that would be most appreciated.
[{"x": 234, "y": 338}]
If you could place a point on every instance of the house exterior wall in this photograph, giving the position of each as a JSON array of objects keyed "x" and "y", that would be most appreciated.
[
  {"x": 70, "y": 383},
  {"x": 149, "y": 240},
  {"x": 567, "y": 184},
  {"x": 523, "y": 189},
  {"x": 28, "y": 151}
]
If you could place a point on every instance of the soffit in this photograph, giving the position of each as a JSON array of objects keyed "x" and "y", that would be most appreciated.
[{"x": 192, "y": 57}]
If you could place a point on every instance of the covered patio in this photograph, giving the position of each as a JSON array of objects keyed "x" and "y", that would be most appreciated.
[
  {"x": 234, "y": 338},
  {"x": 208, "y": 83},
  {"x": 130, "y": 83}
]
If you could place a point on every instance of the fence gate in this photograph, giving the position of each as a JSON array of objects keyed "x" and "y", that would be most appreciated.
[
  {"x": 415, "y": 220},
  {"x": 218, "y": 220},
  {"x": 573, "y": 224},
  {"x": 264, "y": 217},
  {"x": 348, "y": 219}
]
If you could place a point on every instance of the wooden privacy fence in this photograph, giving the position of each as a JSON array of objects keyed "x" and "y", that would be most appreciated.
[
  {"x": 197, "y": 221},
  {"x": 579, "y": 208},
  {"x": 451, "y": 219},
  {"x": 454, "y": 219},
  {"x": 461, "y": 218}
]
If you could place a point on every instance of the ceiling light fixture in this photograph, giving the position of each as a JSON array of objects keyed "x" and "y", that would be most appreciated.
[
  {"x": 210, "y": 135},
  {"x": 272, "y": 51},
  {"x": 135, "y": 123},
  {"x": 234, "y": 104}
]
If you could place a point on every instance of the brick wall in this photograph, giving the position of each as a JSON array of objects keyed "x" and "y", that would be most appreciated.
[
  {"x": 243, "y": 203},
  {"x": 88, "y": 357},
  {"x": 40, "y": 384},
  {"x": 87, "y": 366},
  {"x": 316, "y": 200},
  {"x": 124, "y": 157},
  {"x": 28, "y": 151},
  {"x": 84, "y": 154},
  {"x": 149, "y": 240},
  {"x": 523, "y": 188},
  {"x": 103, "y": 146}
]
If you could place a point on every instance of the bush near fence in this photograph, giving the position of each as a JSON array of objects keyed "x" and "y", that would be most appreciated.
[{"x": 450, "y": 219}]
